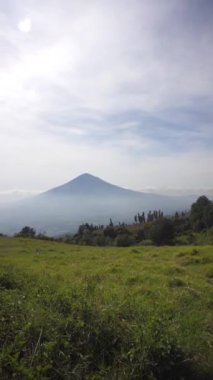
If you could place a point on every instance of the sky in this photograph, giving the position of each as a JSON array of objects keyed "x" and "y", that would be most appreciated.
[{"x": 119, "y": 89}]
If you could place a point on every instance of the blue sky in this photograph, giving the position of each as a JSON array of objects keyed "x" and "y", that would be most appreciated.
[{"x": 121, "y": 89}]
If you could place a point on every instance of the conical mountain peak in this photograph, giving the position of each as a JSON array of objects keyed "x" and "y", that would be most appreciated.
[
  {"x": 85, "y": 176},
  {"x": 87, "y": 184}
]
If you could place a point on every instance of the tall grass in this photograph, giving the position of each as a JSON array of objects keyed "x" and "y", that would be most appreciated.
[{"x": 90, "y": 313}]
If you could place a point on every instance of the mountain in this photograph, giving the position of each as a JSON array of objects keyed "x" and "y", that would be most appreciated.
[
  {"x": 84, "y": 199},
  {"x": 87, "y": 185}
]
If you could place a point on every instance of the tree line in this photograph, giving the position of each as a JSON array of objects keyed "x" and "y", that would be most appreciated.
[{"x": 150, "y": 228}]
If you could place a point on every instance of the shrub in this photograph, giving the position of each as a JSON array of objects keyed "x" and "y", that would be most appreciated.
[
  {"x": 123, "y": 240},
  {"x": 162, "y": 232}
]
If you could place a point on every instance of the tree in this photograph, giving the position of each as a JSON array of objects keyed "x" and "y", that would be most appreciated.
[
  {"x": 111, "y": 223},
  {"x": 208, "y": 215},
  {"x": 201, "y": 215},
  {"x": 162, "y": 232},
  {"x": 109, "y": 231},
  {"x": 26, "y": 232}
]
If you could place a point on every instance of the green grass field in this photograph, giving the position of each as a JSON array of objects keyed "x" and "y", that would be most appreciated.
[{"x": 79, "y": 312}]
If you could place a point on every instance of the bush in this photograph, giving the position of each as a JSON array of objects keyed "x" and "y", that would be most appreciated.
[
  {"x": 123, "y": 240},
  {"x": 162, "y": 232}
]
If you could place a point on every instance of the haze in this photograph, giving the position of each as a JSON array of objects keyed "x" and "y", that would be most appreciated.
[{"x": 119, "y": 89}]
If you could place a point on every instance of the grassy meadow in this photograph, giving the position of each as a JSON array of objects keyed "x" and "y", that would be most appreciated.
[{"x": 79, "y": 312}]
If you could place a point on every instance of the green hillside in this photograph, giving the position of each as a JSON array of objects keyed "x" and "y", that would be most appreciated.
[{"x": 79, "y": 312}]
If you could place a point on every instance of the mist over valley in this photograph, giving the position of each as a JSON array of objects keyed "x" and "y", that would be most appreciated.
[{"x": 86, "y": 198}]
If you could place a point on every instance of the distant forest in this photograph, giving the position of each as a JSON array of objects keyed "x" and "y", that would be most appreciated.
[{"x": 194, "y": 226}]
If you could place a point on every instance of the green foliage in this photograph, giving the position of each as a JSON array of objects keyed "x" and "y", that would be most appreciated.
[
  {"x": 202, "y": 213},
  {"x": 162, "y": 232},
  {"x": 208, "y": 216},
  {"x": 26, "y": 232},
  {"x": 181, "y": 228},
  {"x": 9, "y": 279},
  {"x": 123, "y": 240},
  {"x": 110, "y": 232}
]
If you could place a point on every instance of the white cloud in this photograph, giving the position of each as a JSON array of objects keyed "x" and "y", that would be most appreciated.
[{"x": 24, "y": 25}]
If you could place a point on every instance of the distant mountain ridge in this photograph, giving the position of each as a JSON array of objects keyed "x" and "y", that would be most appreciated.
[{"x": 86, "y": 198}]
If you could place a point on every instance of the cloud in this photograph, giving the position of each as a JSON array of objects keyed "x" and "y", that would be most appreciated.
[
  {"x": 25, "y": 25},
  {"x": 127, "y": 84}
]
